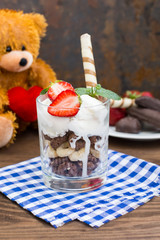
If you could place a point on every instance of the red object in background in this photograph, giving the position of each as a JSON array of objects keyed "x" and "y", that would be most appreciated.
[
  {"x": 148, "y": 94},
  {"x": 23, "y": 102},
  {"x": 135, "y": 94},
  {"x": 132, "y": 94},
  {"x": 115, "y": 115}
]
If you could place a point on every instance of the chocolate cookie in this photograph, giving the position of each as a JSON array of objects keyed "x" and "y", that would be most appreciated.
[
  {"x": 148, "y": 102},
  {"x": 128, "y": 125},
  {"x": 144, "y": 114}
]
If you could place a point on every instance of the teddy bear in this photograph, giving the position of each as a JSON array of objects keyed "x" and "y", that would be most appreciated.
[{"x": 22, "y": 74}]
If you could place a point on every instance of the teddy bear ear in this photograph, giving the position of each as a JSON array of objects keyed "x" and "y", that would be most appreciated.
[{"x": 39, "y": 21}]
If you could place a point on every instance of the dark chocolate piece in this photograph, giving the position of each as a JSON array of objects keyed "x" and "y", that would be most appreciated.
[
  {"x": 129, "y": 125},
  {"x": 80, "y": 143},
  {"x": 58, "y": 141},
  {"x": 47, "y": 137},
  {"x": 93, "y": 140},
  {"x": 92, "y": 164},
  {"x": 145, "y": 114},
  {"x": 148, "y": 102}
]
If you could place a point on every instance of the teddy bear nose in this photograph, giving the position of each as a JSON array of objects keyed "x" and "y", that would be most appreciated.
[{"x": 23, "y": 62}]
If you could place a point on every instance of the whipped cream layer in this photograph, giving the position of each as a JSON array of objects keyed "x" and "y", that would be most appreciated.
[{"x": 90, "y": 119}]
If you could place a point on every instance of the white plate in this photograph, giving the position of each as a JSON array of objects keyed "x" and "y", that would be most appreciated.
[{"x": 143, "y": 135}]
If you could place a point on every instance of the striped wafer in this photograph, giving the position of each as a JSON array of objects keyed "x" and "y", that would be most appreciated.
[
  {"x": 88, "y": 60},
  {"x": 122, "y": 103},
  {"x": 90, "y": 72}
]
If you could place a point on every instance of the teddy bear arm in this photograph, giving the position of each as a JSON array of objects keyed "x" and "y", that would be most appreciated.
[
  {"x": 8, "y": 128},
  {"x": 41, "y": 74}
]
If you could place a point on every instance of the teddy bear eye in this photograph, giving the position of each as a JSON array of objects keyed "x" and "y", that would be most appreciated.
[
  {"x": 8, "y": 49},
  {"x": 23, "y": 48}
]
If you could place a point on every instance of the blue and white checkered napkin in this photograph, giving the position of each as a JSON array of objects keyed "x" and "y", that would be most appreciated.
[{"x": 131, "y": 182}]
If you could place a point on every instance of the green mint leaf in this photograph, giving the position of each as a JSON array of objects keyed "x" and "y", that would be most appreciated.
[
  {"x": 107, "y": 94},
  {"x": 86, "y": 91},
  {"x": 82, "y": 91},
  {"x": 97, "y": 91},
  {"x": 98, "y": 86},
  {"x": 44, "y": 91}
]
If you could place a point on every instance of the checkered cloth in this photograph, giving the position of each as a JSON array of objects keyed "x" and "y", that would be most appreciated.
[{"x": 131, "y": 182}]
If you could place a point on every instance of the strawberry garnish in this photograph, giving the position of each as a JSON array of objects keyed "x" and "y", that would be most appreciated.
[
  {"x": 115, "y": 115},
  {"x": 66, "y": 104},
  {"x": 148, "y": 94},
  {"x": 57, "y": 87},
  {"x": 133, "y": 94}
]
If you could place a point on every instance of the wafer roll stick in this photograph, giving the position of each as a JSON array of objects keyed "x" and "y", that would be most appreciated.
[
  {"x": 88, "y": 60},
  {"x": 122, "y": 103},
  {"x": 90, "y": 71}
]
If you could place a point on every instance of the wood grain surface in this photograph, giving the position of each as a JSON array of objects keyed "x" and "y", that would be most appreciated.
[
  {"x": 125, "y": 37},
  {"x": 17, "y": 223}
]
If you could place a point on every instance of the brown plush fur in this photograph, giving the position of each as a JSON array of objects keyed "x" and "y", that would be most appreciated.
[{"x": 22, "y": 34}]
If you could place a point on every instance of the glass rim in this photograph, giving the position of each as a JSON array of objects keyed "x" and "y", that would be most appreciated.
[{"x": 96, "y": 105}]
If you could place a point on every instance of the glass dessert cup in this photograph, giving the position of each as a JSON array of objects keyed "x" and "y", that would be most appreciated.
[{"x": 74, "y": 150}]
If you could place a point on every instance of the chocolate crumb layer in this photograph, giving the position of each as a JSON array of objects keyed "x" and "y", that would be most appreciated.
[
  {"x": 63, "y": 166},
  {"x": 71, "y": 137}
]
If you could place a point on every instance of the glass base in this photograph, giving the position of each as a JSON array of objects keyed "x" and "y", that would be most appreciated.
[{"x": 68, "y": 184}]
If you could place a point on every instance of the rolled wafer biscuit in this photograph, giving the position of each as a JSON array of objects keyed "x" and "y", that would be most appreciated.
[
  {"x": 88, "y": 60},
  {"x": 90, "y": 71},
  {"x": 122, "y": 103}
]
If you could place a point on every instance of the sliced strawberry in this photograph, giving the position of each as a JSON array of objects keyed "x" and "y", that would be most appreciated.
[
  {"x": 57, "y": 87},
  {"x": 115, "y": 115},
  {"x": 66, "y": 104}
]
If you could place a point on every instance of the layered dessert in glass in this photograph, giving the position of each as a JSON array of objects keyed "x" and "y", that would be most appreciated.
[
  {"x": 73, "y": 130},
  {"x": 73, "y": 148}
]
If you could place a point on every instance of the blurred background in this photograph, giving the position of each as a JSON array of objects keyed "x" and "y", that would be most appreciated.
[{"x": 125, "y": 38}]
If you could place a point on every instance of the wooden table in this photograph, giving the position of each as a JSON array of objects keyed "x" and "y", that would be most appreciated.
[{"x": 17, "y": 223}]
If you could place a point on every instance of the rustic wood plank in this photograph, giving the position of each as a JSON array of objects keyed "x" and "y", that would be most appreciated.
[{"x": 17, "y": 223}]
